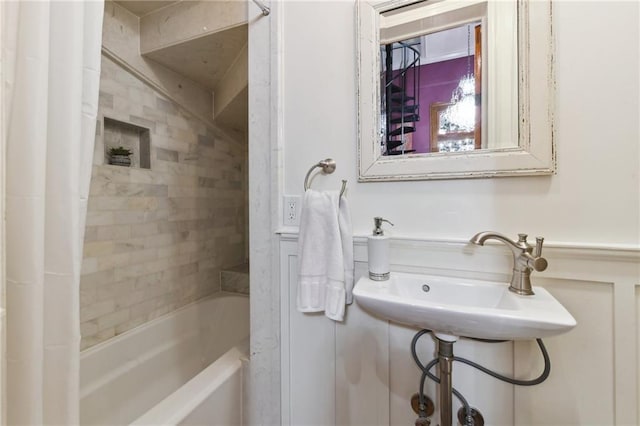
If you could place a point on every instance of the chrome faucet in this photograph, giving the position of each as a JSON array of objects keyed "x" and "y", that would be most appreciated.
[{"x": 523, "y": 260}]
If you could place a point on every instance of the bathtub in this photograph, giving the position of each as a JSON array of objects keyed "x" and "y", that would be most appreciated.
[{"x": 182, "y": 368}]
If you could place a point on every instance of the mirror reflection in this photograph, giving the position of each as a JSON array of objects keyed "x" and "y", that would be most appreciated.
[
  {"x": 432, "y": 91},
  {"x": 452, "y": 89}
]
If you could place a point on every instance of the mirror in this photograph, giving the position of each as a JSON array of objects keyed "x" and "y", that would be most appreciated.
[{"x": 450, "y": 89}]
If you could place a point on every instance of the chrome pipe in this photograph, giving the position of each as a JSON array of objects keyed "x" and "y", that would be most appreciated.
[{"x": 445, "y": 363}]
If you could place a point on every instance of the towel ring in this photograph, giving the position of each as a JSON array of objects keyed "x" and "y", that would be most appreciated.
[{"x": 328, "y": 166}]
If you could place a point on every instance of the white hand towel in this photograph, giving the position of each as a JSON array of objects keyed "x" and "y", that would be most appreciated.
[
  {"x": 346, "y": 235},
  {"x": 325, "y": 255}
]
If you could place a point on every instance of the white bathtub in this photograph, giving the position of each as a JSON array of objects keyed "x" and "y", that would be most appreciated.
[{"x": 163, "y": 372}]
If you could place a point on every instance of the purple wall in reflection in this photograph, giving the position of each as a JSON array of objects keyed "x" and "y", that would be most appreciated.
[{"x": 437, "y": 81}]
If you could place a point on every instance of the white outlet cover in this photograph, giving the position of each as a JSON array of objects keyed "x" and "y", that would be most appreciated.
[{"x": 291, "y": 210}]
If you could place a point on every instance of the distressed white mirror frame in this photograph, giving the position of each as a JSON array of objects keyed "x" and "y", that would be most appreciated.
[{"x": 535, "y": 150}]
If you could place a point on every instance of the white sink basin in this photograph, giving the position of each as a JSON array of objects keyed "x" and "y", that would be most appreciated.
[{"x": 454, "y": 307}]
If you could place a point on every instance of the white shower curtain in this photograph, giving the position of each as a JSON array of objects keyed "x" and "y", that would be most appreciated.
[{"x": 51, "y": 75}]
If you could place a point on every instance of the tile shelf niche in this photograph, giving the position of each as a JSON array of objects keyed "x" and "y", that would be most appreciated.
[{"x": 130, "y": 136}]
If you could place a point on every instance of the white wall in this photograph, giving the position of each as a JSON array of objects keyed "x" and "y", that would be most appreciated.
[
  {"x": 594, "y": 198},
  {"x": 3, "y": 144},
  {"x": 592, "y": 202}
]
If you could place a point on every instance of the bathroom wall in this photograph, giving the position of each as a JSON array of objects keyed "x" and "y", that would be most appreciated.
[
  {"x": 589, "y": 213},
  {"x": 596, "y": 129},
  {"x": 156, "y": 239}
]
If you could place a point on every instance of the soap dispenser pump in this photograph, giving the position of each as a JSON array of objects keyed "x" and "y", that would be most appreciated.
[{"x": 378, "y": 251}]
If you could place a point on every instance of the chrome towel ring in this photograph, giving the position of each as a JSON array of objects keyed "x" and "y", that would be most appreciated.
[{"x": 328, "y": 166}]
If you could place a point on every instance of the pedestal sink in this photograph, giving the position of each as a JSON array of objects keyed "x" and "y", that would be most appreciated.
[{"x": 460, "y": 307}]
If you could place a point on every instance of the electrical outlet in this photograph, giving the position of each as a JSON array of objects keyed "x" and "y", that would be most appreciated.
[{"x": 291, "y": 210}]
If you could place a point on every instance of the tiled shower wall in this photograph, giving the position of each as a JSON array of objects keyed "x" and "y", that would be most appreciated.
[{"x": 156, "y": 239}]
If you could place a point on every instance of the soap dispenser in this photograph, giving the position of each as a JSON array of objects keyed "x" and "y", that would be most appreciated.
[{"x": 378, "y": 251}]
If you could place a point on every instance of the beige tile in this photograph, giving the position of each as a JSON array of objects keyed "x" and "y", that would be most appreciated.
[
  {"x": 96, "y": 310},
  {"x": 97, "y": 218},
  {"x": 97, "y": 278},
  {"x": 159, "y": 312},
  {"x": 110, "y": 87},
  {"x": 113, "y": 261},
  {"x": 112, "y": 319},
  {"x": 90, "y": 234},
  {"x": 129, "y": 217},
  {"x": 187, "y": 136},
  {"x": 141, "y": 256},
  {"x": 98, "y": 248},
  {"x": 234, "y": 282},
  {"x": 142, "y": 203},
  {"x": 121, "y": 292},
  {"x": 122, "y": 105},
  {"x": 143, "y": 308},
  {"x": 105, "y": 334},
  {"x": 145, "y": 281},
  {"x": 158, "y": 117},
  {"x": 99, "y": 337},
  {"x": 88, "y": 294},
  {"x": 168, "y": 142},
  {"x": 144, "y": 229},
  {"x": 140, "y": 269},
  {"x": 121, "y": 328},
  {"x": 107, "y": 203},
  {"x": 129, "y": 245},
  {"x": 89, "y": 328},
  {"x": 135, "y": 95},
  {"x": 89, "y": 265},
  {"x": 156, "y": 239},
  {"x": 113, "y": 232},
  {"x": 176, "y": 121},
  {"x": 166, "y": 106}
]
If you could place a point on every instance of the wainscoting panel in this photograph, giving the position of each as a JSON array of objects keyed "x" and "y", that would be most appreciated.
[
  {"x": 360, "y": 372},
  {"x": 580, "y": 389},
  {"x": 362, "y": 368},
  {"x": 312, "y": 359},
  {"x": 637, "y": 377}
]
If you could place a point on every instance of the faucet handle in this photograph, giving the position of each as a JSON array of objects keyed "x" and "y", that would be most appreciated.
[
  {"x": 523, "y": 244},
  {"x": 536, "y": 263},
  {"x": 539, "y": 241}
]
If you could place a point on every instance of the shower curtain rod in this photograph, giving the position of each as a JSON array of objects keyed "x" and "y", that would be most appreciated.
[{"x": 265, "y": 9}]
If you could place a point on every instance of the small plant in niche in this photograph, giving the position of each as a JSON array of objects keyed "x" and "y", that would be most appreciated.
[{"x": 120, "y": 156}]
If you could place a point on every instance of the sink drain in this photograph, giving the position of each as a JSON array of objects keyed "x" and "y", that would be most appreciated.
[{"x": 426, "y": 288}]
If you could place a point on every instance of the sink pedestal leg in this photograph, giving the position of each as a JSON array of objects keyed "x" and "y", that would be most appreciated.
[{"x": 445, "y": 362}]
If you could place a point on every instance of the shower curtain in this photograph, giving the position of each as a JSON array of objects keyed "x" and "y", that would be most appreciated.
[{"x": 50, "y": 77}]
